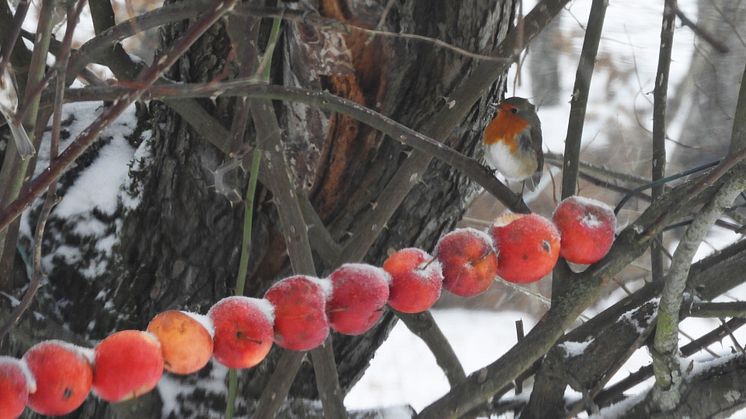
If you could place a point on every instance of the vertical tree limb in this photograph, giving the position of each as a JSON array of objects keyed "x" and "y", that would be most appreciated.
[{"x": 660, "y": 98}]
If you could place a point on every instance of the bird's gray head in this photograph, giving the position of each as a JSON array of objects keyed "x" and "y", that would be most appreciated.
[{"x": 521, "y": 103}]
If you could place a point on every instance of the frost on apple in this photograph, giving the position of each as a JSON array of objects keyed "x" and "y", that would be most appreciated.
[
  {"x": 359, "y": 293},
  {"x": 243, "y": 330},
  {"x": 186, "y": 341},
  {"x": 127, "y": 364},
  {"x": 300, "y": 312},
  {"x": 15, "y": 385},
  {"x": 63, "y": 377},
  {"x": 416, "y": 280},
  {"x": 587, "y": 228},
  {"x": 469, "y": 261},
  {"x": 528, "y": 246}
]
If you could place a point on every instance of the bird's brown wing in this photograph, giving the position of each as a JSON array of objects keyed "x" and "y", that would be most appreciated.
[{"x": 536, "y": 141}]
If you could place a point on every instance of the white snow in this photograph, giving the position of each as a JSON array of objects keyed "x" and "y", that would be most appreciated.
[
  {"x": 23, "y": 367},
  {"x": 261, "y": 304},
  {"x": 98, "y": 186},
  {"x": 203, "y": 320},
  {"x": 169, "y": 388},
  {"x": 325, "y": 284},
  {"x": 573, "y": 349},
  {"x": 483, "y": 235},
  {"x": 404, "y": 372},
  {"x": 366, "y": 270}
]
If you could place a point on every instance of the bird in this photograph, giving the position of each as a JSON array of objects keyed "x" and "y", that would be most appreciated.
[
  {"x": 8, "y": 108},
  {"x": 512, "y": 142}
]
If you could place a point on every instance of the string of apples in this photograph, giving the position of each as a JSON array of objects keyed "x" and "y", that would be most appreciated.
[{"x": 55, "y": 377}]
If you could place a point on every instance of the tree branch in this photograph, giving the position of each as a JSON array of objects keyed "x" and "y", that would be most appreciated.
[
  {"x": 660, "y": 98},
  {"x": 578, "y": 105},
  {"x": 666, "y": 392},
  {"x": 324, "y": 100}
]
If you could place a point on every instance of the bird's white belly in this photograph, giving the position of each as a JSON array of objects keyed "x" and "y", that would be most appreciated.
[{"x": 513, "y": 167}]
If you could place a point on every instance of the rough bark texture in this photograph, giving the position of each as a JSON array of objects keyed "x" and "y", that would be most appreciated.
[{"x": 180, "y": 247}]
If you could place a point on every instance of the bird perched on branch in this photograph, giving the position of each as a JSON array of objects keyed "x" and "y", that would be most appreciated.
[
  {"x": 8, "y": 108},
  {"x": 512, "y": 142}
]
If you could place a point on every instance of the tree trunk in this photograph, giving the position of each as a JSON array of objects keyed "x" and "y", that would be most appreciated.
[{"x": 179, "y": 247}]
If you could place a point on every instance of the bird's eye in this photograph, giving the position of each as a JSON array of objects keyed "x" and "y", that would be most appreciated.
[{"x": 514, "y": 110}]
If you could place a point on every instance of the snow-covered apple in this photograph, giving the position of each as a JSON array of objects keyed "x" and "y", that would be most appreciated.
[
  {"x": 300, "y": 312},
  {"x": 15, "y": 384},
  {"x": 528, "y": 246},
  {"x": 127, "y": 364},
  {"x": 63, "y": 377},
  {"x": 359, "y": 293},
  {"x": 186, "y": 343},
  {"x": 416, "y": 280},
  {"x": 587, "y": 228},
  {"x": 243, "y": 330},
  {"x": 469, "y": 261}
]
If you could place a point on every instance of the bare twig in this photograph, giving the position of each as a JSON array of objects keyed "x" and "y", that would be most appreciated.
[
  {"x": 14, "y": 169},
  {"x": 299, "y": 250},
  {"x": 660, "y": 98},
  {"x": 89, "y": 135},
  {"x": 708, "y": 309},
  {"x": 326, "y": 100},
  {"x": 51, "y": 198},
  {"x": 701, "y": 32},
  {"x": 580, "y": 97},
  {"x": 578, "y": 105},
  {"x": 12, "y": 37}
]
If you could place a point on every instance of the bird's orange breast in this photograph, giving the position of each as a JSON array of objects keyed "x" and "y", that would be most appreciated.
[{"x": 505, "y": 127}]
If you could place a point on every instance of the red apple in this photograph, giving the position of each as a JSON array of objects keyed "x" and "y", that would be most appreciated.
[
  {"x": 63, "y": 377},
  {"x": 186, "y": 343},
  {"x": 416, "y": 280},
  {"x": 587, "y": 228},
  {"x": 15, "y": 384},
  {"x": 528, "y": 246},
  {"x": 243, "y": 330},
  {"x": 127, "y": 364},
  {"x": 359, "y": 293},
  {"x": 469, "y": 261},
  {"x": 300, "y": 312}
]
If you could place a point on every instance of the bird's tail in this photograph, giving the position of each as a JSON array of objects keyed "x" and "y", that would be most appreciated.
[{"x": 23, "y": 143}]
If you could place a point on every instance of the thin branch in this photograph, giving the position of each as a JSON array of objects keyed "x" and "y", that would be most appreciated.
[
  {"x": 579, "y": 99},
  {"x": 660, "y": 99},
  {"x": 243, "y": 265},
  {"x": 12, "y": 37},
  {"x": 665, "y": 180},
  {"x": 295, "y": 233},
  {"x": 51, "y": 199},
  {"x": 578, "y": 105},
  {"x": 701, "y": 32},
  {"x": 89, "y": 135},
  {"x": 325, "y": 100},
  {"x": 14, "y": 168},
  {"x": 708, "y": 309}
]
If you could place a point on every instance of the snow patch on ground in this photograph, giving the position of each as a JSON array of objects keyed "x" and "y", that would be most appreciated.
[{"x": 404, "y": 372}]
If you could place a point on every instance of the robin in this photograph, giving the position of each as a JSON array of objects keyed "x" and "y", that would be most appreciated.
[
  {"x": 8, "y": 107},
  {"x": 512, "y": 142}
]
